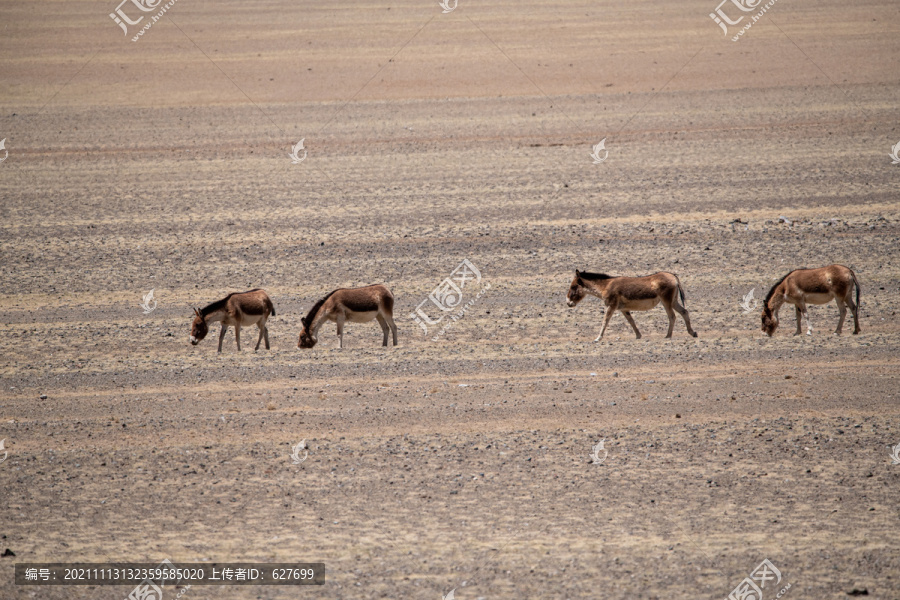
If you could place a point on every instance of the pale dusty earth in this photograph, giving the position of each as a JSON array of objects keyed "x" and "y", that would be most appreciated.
[{"x": 463, "y": 462}]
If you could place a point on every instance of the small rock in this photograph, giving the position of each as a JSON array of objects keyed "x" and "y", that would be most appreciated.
[
  {"x": 8, "y": 552},
  {"x": 43, "y": 396}
]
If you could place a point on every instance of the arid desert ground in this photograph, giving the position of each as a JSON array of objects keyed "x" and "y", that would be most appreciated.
[{"x": 460, "y": 460}]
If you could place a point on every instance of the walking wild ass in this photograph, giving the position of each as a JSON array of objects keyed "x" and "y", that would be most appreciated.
[
  {"x": 237, "y": 309},
  {"x": 631, "y": 293},
  {"x": 357, "y": 305},
  {"x": 812, "y": 286}
]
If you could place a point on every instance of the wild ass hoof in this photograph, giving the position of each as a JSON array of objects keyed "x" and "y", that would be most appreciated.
[{"x": 693, "y": 334}]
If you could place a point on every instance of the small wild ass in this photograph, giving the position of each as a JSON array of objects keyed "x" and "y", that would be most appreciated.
[
  {"x": 237, "y": 309},
  {"x": 812, "y": 286},
  {"x": 631, "y": 293},
  {"x": 357, "y": 305}
]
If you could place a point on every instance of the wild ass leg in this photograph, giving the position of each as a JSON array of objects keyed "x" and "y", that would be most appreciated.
[
  {"x": 384, "y": 329},
  {"x": 671, "y": 314},
  {"x": 855, "y": 310},
  {"x": 390, "y": 322},
  {"x": 266, "y": 335},
  {"x": 684, "y": 315},
  {"x": 237, "y": 335},
  {"x": 222, "y": 335},
  {"x": 609, "y": 313},
  {"x": 634, "y": 325},
  {"x": 262, "y": 328},
  {"x": 805, "y": 310},
  {"x": 799, "y": 314},
  {"x": 842, "y": 309},
  {"x": 340, "y": 331}
]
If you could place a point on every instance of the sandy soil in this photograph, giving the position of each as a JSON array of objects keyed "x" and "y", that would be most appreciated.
[{"x": 461, "y": 463}]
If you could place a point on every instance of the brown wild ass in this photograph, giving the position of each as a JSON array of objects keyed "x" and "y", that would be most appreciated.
[
  {"x": 237, "y": 309},
  {"x": 631, "y": 293},
  {"x": 357, "y": 305},
  {"x": 812, "y": 286}
]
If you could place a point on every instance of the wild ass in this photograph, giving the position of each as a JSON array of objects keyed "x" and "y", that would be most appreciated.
[
  {"x": 237, "y": 309},
  {"x": 357, "y": 305},
  {"x": 812, "y": 286},
  {"x": 631, "y": 293}
]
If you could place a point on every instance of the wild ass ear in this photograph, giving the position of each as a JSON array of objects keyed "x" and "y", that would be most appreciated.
[
  {"x": 577, "y": 273},
  {"x": 197, "y": 312}
]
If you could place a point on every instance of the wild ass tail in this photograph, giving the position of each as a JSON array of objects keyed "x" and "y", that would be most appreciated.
[
  {"x": 680, "y": 290},
  {"x": 856, "y": 283}
]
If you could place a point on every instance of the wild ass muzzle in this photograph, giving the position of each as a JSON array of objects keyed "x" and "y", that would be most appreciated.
[
  {"x": 812, "y": 286},
  {"x": 628, "y": 294},
  {"x": 240, "y": 309},
  {"x": 356, "y": 305}
]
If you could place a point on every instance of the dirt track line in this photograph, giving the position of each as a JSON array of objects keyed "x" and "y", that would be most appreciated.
[{"x": 627, "y": 375}]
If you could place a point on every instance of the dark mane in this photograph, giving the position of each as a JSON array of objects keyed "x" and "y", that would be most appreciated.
[
  {"x": 315, "y": 308},
  {"x": 594, "y": 276},
  {"x": 220, "y": 304}
]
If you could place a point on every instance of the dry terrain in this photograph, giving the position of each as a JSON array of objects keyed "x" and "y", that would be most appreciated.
[{"x": 456, "y": 460}]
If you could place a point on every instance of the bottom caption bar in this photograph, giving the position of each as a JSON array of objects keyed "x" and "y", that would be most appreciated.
[{"x": 151, "y": 576}]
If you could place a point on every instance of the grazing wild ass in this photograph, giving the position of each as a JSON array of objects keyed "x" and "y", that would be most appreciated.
[
  {"x": 631, "y": 293},
  {"x": 812, "y": 286},
  {"x": 357, "y": 305},
  {"x": 237, "y": 309}
]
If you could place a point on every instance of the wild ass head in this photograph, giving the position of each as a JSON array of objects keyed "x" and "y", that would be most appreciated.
[
  {"x": 199, "y": 328},
  {"x": 307, "y": 340},
  {"x": 769, "y": 321},
  {"x": 576, "y": 290},
  {"x": 773, "y": 300}
]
